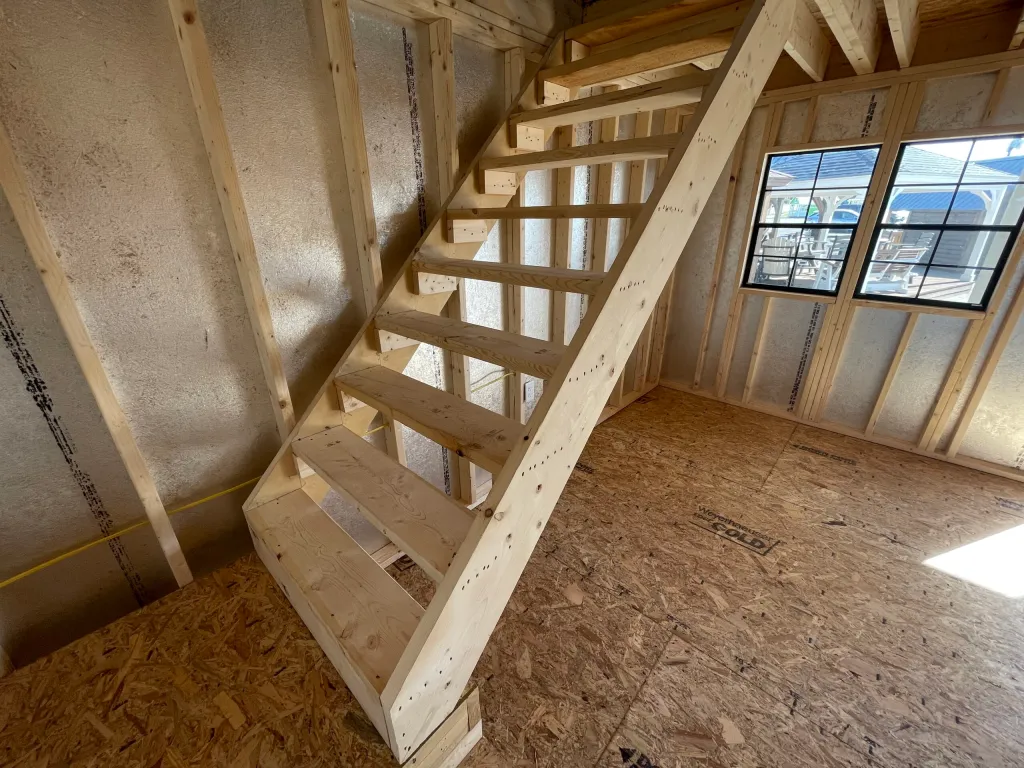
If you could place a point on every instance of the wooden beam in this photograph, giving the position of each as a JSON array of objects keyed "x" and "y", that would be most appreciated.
[
  {"x": 661, "y": 94},
  {"x": 608, "y": 131},
  {"x": 807, "y": 45},
  {"x": 359, "y": 235},
  {"x": 608, "y": 211},
  {"x": 855, "y": 25},
  {"x": 514, "y": 238},
  {"x": 588, "y": 154},
  {"x": 890, "y": 376},
  {"x": 1018, "y": 35},
  {"x": 677, "y": 43},
  {"x": 195, "y": 55},
  {"x": 550, "y": 278},
  {"x": 904, "y": 26},
  {"x": 51, "y": 272},
  {"x": 446, "y": 152}
]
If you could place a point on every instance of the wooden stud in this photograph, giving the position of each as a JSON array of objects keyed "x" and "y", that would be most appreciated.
[
  {"x": 565, "y": 140},
  {"x": 1018, "y": 35},
  {"x": 514, "y": 251},
  {"x": 890, "y": 376},
  {"x": 755, "y": 354},
  {"x": 808, "y": 46},
  {"x": 446, "y": 150},
  {"x": 904, "y": 26},
  {"x": 51, "y": 272},
  {"x": 716, "y": 270},
  {"x": 608, "y": 132},
  {"x": 996, "y": 97},
  {"x": 810, "y": 120},
  {"x": 195, "y": 55},
  {"x": 855, "y": 25}
]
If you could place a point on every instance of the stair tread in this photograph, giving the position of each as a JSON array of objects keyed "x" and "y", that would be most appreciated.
[
  {"x": 524, "y": 354},
  {"x": 551, "y": 278},
  {"x": 593, "y": 210},
  {"x": 645, "y": 148},
  {"x": 367, "y": 613},
  {"x": 423, "y": 521},
  {"x": 483, "y": 436}
]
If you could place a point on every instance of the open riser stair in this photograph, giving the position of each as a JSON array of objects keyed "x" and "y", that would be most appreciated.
[{"x": 407, "y": 665}]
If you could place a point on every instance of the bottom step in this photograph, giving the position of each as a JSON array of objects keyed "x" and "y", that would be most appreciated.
[{"x": 360, "y": 616}]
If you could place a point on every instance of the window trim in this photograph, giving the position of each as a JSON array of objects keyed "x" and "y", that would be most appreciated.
[
  {"x": 762, "y": 181},
  {"x": 997, "y": 270}
]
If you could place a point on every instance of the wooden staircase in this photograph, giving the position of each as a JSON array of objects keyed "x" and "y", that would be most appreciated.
[{"x": 409, "y": 666}]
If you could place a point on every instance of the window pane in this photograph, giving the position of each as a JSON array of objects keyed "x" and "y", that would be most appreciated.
[
  {"x": 993, "y": 160},
  {"x": 847, "y": 168},
  {"x": 816, "y": 274},
  {"x": 793, "y": 171},
  {"x": 959, "y": 248},
  {"x": 777, "y": 241},
  {"x": 783, "y": 207},
  {"x": 962, "y": 286},
  {"x": 936, "y": 162},
  {"x": 772, "y": 271},
  {"x": 994, "y": 204},
  {"x": 824, "y": 244},
  {"x": 905, "y": 246},
  {"x": 918, "y": 205},
  {"x": 836, "y": 206}
]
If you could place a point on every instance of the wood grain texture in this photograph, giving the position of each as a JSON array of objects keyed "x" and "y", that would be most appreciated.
[
  {"x": 415, "y": 515},
  {"x": 855, "y": 25},
  {"x": 592, "y": 211},
  {"x": 509, "y": 350},
  {"x": 807, "y": 45},
  {"x": 514, "y": 254},
  {"x": 905, "y": 26},
  {"x": 481, "y": 435},
  {"x": 568, "y": 280},
  {"x": 47, "y": 263}
]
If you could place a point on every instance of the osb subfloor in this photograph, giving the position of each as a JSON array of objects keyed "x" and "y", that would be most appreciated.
[{"x": 638, "y": 635}]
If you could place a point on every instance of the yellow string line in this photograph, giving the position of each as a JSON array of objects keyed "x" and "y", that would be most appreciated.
[
  {"x": 505, "y": 375},
  {"x": 133, "y": 527}
]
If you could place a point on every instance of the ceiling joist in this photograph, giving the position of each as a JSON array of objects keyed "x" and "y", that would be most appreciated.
[
  {"x": 904, "y": 26},
  {"x": 808, "y": 46},
  {"x": 1018, "y": 36},
  {"x": 855, "y": 25}
]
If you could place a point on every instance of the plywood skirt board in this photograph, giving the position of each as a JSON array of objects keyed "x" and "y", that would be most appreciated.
[{"x": 717, "y": 587}]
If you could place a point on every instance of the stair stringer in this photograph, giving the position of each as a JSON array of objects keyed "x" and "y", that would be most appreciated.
[
  {"x": 400, "y": 294},
  {"x": 451, "y": 636}
]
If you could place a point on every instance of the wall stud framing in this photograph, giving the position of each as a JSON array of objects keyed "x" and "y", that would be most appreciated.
[
  {"x": 890, "y": 376},
  {"x": 514, "y": 235},
  {"x": 762, "y": 322},
  {"x": 51, "y": 272}
]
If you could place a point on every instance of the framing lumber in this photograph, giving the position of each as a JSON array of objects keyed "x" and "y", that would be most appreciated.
[
  {"x": 904, "y": 26},
  {"x": 855, "y": 25},
  {"x": 195, "y": 56},
  {"x": 661, "y": 94},
  {"x": 518, "y": 353},
  {"x": 637, "y": 183},
  {"x": 755, "y": 354},
  {"x": 807, "y": 45},
  {"x": 457, "y": 624},
  {"x": 716, "y": 270},
  {"x": 890, "y": 376},
  {"x": 677, "y": 43},
  {"x": 608, "y": 131},
  {"x": 51, "y": 272},
  {"x": 608, "y": 211},
  {"x": 446, "y": 153},
  {"x": 514, "y": 238},
  {"x": 589, "y": 154},
  {"x": 565, "y": 280},
  {"x": 565, "y": 178},
  {"x": 1018, "y": 35}
]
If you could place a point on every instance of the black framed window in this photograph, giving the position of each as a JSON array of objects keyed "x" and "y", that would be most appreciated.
[
  {"x": 951, "y": 215},
  {"x": 807, "y": 215}
]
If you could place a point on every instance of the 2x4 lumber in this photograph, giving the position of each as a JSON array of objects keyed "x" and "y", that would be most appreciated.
[
  {"x": 612, "y": 20},
  {"x": 358, "y": 614},
  {"x": 904, "y": 26},
  {"x": 514, "y": 239},
  {"x": 565, "y": 182},
  {"x": 509, "y": 350},
  {"x": 608, "y": 131},
  {"x": 635, "y": 195},
  {"x": 195, "y": 55},
  {"x": 1018, "y": 35},
  {"x": 755, "y": 354},
  {"x": 890, "y": 376},
  {"x": 808, "y": 46},
  {"x": 592, "y": 211},
  {"x": 855, "y": 25},
  {"x": 484, "y": 437},
  {"x": 550, "y": 278},
  {"x": 677, "y": 43},
  {"x": 415, "y": 515},
  {"x": 661, "y": 94},
  {"x": 589, "y": 154},
  {"x": 446, "y": 152},
  {"x": 55, "y": 281},
  {"x": 459, "y": 621}
]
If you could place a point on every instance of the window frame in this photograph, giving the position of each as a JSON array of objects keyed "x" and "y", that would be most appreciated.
[
  {"x": 745, "y": 283},
  {"x": 997, "y": 270}
]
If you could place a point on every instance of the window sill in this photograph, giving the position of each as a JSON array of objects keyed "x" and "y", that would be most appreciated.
[
  {"x": 924, "y": 309},
  {"x": 818, "y": 298}
]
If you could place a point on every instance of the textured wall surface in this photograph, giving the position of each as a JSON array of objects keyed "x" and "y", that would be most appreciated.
[
  {"x": 96, "y": 100},
  {"x": 996, "y": 433}
]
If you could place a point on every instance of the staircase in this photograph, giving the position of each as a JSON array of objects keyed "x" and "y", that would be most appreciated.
[{"x": 408, "y": 666}]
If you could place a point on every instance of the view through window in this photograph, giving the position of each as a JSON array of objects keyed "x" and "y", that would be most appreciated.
[
  {"x": 951, "y": 215},
  {"x": 808, "y": 212}
]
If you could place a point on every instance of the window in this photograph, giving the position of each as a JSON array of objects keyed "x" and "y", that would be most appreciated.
[
  {"x": 951, "y": 215},
  {"x": 808, "y": 213}
]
